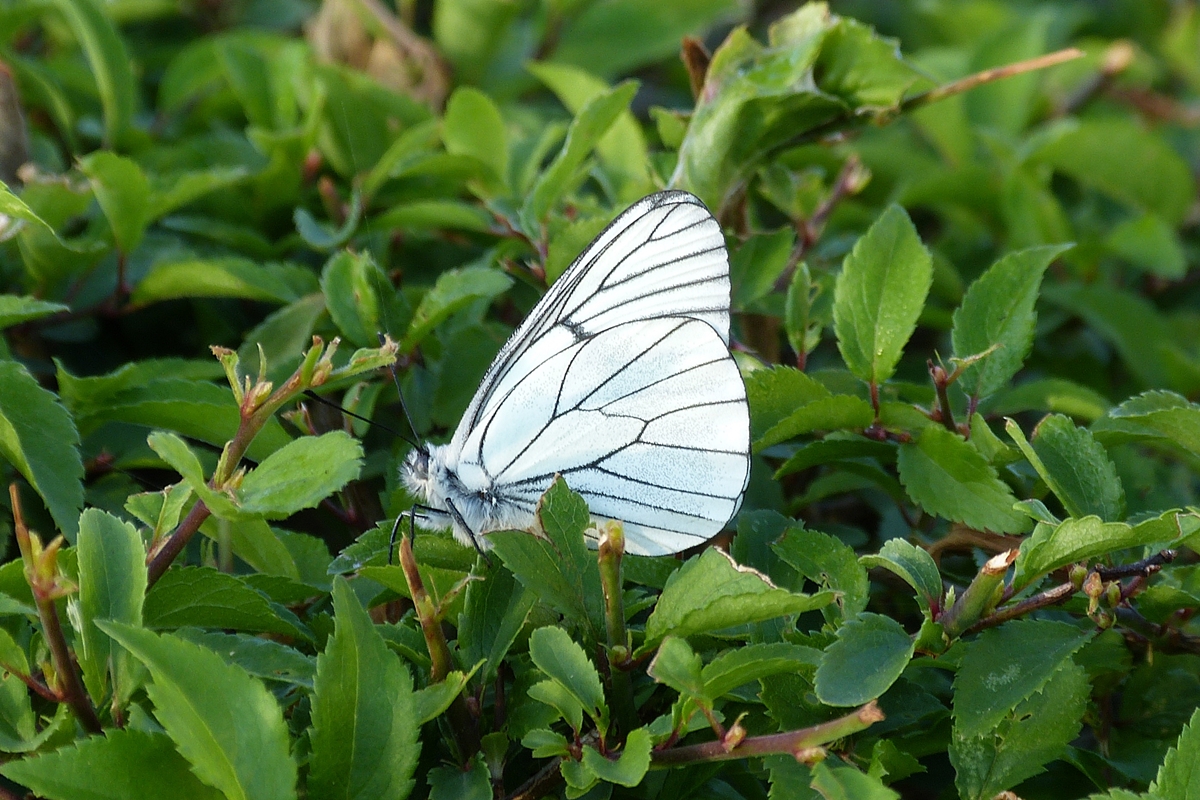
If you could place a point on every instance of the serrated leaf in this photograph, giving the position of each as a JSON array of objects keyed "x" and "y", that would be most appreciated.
[
  {"x": 711, "y": 591},
  {"x": 880, "y": 294},
  {"x": 847, "y": 783},
  {"x": 1074, "y": 466},
  {"x": 452, "y": 783},
  {"x": 556, "y": 654},
  {"x": 914, "y": 565},
  {"x": 112, "y": 585},
  {"x": 946, "y": 476},
  {"x": 870, "y": 653},
  {"x": 558, "y": 697},
  {"x": 204, "y": 597},
  {"x": 839, "y": 448},
  {"x": 1155, "y": 415},
  {"x": 558, "y": 567},
  {"x": 137, "y": 765},
  {"x": 1054, "y": 545},
  {"x": 1036, "y": 732},
  {"x": 300, "y": 475},
  {"x": 494, "y": 611},
  {"x": 365, "y": 729},
  {"x": 260, "y": 657},
  {"x": 828, "y": 562},
  {"x": 545, "y": 743},
  {"x": 839, "y": 412},
  {"x": 224, "y": 722},
  {"x": 1179, "y": 776},
  {"x": 998, "y": 312},
  {"x": 775, "y": 393},
  {"x": 39, "y": 438},
  {"x": 1007, "y": 664}
]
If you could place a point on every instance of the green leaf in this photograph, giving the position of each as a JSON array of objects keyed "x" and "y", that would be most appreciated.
[
  {"x": 946, "y": 476},
  {"x": 1049, "y": 394},
  {"x": 629, "y": 767},
  {"x": 912, "y": 564},
  {"x": 175, "y": 191},
  {"x": 1037, "y": 731},
  {"x": 775, "y": 393},
  {"x": 223, "y": 277},
  {"x": 757, "y": 265},
  {"x": 109, "y": 61},
  {"x": 1156, "y": 416},
  {"x": 843, "y": 447},
  {"x": 120, "y": 765},
  {"x": 589, "y": 125},
  {"x": 1149, "y": 244},
  {"x": 1004, "y": 666},
  {"x": 365, "y": 730},
  {"x": 997, "y": 311},
  {"x": 359, "y": 297},
  {"x": 870, "y": 653},
  {"x": 556, "y": 654},
  {"x": 112, "y": 584},
  {"x": 204, "y": 597},
  {"x": 494, "y": 612},
  {"x": 828, "y": 562},
  {"x": 432, "y": 701},
  {"x": 301, "y": 474},
  {"x": 453, "y": 783},
  {"x": 545, "y": 743},
  {"x": 260, "y": 657},
  {"x": 455, "y": 288},
  {"x": 880, "y": 294},
  {"x": 1052, "y": 546},
  {"x": 622, "y": 150},
  {"x": 617, "y": 36},
  {"x": 1074, "y": 466},
  {"x": 1179, "y": 776},
  {"x": 472, "y": 126},
  {"x": 39, "y": 438},
  {"x": 847, "y": 783},
  {"x": 123, "y": 193},
  {"x": 711, "y": 591},
  {"x": 558, "y": 697},
  {"x": 224, "y": 722},
  {"x": 750, "y": 662},
  {"x": 15, "y": 309},
  {"x": 324, "y": 236},
  {"x": 677, "y": 665},
  {"x": 1124, "y": 160},
  {"x": 559, "y": 569},
  {"x": 839, "y": 412}
]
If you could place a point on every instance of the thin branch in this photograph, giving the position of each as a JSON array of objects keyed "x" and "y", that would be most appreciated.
[
  {"x": 171, "y": 546},
  {"x": 41, "y": 571},
  {"x": 789, "y": 743},
  {"x": 990, "y": 76}
]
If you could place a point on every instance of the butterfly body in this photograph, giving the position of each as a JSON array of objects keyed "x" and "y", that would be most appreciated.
[{"x": 621, "y": 381}]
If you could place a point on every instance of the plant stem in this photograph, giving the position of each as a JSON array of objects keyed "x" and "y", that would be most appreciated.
[
  {"x": 462, "y": 722},
  {"x": 612, "y": 547},
  {"x": 989, "y": 76},
  {"x": 790, "y": 743},
  {"x": 941, "y": 382},
  {"x": 170, "y": 547},
  {"x": 43, "y": 586},
  {"x": 979, "y": 596}
]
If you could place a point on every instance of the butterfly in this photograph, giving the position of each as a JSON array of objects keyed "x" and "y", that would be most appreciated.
[{"x": 620, "y": 380}]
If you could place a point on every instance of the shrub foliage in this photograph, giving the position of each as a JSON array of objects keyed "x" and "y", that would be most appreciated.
[{"x": 963, "y": 267}]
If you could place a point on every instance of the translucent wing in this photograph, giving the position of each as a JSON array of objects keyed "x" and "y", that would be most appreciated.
[
  {"x": 647, "y": 420},
  {"x": 663, "y": 257}
]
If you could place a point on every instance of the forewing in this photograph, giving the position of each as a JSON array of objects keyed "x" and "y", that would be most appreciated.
[
  {"x": 647, "y": 420},
  {"x": 663, "y": 257}
]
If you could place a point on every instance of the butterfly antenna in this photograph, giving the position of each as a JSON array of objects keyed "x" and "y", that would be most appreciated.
[
  {"x": 403, "y": 405},
  {"x": 309, "y": 393}
]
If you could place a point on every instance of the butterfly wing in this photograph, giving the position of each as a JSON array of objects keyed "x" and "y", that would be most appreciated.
[
  {"x": 663, "y": 257},
  {"x": 646, "y": 420}
]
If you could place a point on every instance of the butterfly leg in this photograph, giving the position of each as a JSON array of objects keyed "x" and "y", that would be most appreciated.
[
  {"x": 458, "y": 518},
  {"x": 412, "y": 528}
]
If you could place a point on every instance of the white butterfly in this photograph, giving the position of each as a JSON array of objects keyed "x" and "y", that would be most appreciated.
[{"x": 621, "y": 381}]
